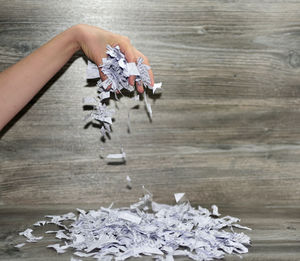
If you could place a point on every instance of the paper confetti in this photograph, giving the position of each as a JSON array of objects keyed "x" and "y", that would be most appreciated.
[{"x": 148, "y": 228}]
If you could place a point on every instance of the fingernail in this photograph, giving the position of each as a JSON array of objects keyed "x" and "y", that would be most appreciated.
[{"x": 140, "y": 89}]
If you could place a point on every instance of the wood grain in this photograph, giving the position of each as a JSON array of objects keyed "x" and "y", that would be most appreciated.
[{"x": 226, "y": 129}]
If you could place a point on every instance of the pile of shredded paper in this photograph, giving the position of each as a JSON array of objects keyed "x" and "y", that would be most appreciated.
[
  {"x": 146, "y": 228},
  {"x": 117, "y": 70}
]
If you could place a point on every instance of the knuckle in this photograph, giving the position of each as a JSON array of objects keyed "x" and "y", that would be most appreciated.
[
  {"x": 80, "y": 26},
  {"x": 125, "y": 39}
]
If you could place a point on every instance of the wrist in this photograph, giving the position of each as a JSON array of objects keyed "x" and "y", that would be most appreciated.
[
  {"x": 78, "y": 34},
  {"x": 74, "y": 32}
]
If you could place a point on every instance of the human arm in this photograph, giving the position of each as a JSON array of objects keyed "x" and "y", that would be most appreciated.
[{"x": 20, "y": 82}]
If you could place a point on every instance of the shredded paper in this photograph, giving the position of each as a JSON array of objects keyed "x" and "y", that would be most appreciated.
[
  {"x": 117, "y": 70},
  {"x": 146, "y": 228}
]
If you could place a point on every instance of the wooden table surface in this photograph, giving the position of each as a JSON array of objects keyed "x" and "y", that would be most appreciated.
[{"x": 226, "y": 129}]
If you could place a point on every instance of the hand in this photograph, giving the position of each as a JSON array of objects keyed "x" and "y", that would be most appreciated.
[{"x": 93, "y": 41}]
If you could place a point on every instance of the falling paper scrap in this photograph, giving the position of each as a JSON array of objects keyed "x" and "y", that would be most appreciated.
[
  {"x": 163, "y": 232},
  {"x": 129, "y": 184},
  {"x": 178, "y": 196},
  {"x": 20, "y": 245},
  {"x": 117, "y": 70},
  {"x": 121, "y": 156}
]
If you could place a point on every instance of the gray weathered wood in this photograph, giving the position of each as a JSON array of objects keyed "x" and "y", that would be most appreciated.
[{"x": 226, "y": 129}]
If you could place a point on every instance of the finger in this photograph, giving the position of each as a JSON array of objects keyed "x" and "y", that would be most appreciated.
[
  {"x": 103, "y": 77},
  {"x": 139, "y": 87},
  {"x": 97, "y": 54},
  {"x": 128, "y": 51}
]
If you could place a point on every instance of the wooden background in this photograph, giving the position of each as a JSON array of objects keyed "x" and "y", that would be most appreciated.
[{"x": 226, "y": 129}]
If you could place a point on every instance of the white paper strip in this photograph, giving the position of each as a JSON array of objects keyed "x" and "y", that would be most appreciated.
[{"x": 92, "y": 71}]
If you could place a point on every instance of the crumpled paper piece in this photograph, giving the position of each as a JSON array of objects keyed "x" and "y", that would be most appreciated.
[{"x": 148, "y": 228}]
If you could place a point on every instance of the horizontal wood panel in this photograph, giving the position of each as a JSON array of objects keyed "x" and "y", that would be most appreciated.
[{"x": 225, "y": 130}]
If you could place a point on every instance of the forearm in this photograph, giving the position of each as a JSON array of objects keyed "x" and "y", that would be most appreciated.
[{"x": 20, "y": 82}]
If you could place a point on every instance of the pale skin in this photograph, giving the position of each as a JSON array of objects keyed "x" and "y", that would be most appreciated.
[{"x": 20, "y": 82}]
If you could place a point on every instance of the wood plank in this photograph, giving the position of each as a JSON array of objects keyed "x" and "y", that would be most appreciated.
[{"x": 226, "y": 129}]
